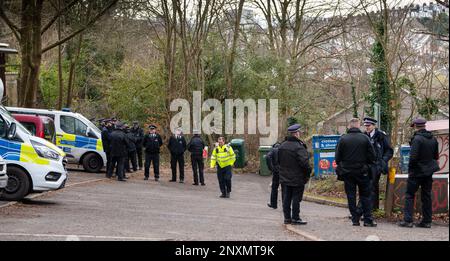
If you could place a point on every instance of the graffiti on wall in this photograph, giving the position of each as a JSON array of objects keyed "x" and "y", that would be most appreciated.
[
  {"x": 443, "y": 153},
  {"x": 439, "y": 195}
]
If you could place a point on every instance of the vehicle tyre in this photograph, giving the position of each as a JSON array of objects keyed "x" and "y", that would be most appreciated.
[
  {"x": 92, "y": 163},
  {"x": 18, "y": 184}
]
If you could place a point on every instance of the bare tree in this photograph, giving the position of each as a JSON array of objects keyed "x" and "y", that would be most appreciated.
[{"x": 26, "y": 21}]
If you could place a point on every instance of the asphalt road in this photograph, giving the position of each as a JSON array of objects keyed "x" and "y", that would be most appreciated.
[{"x": 149, "y": 210}]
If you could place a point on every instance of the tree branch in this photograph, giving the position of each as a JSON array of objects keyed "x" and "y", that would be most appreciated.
[
  {"x": 10, "y": 24},
  {"x": 60, "y": 12},
  {"x": 91, "y": 22}
]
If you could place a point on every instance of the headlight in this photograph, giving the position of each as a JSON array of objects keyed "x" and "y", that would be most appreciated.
[{"x": 44, "y": 151}]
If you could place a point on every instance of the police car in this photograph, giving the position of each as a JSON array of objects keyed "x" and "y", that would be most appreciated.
[
  {"x": 32, "y": 163},
  {"x": 78, "y": 137},
  {"x": 3, "y": 176}
]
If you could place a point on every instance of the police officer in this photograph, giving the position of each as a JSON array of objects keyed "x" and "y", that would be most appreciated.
[
  {"x": 131, "y": 150},
  {"x": 152, "y": 143},
  {"x": 422, "y": 164},
  {"x": 354, "y": 155},
  {"x": 106, "y": 131},
  {"x": 119, "y": 151},
  {"x": 195, "y": 147},
  {"x": 138, "y": 133},
  {"x": 272, "y": 164},
  {"x": 223, "y": 156},
  {"x": 294, "y": 169},
  {"x": 384, "y": 153},
  {"x": 177, "y": 147}
]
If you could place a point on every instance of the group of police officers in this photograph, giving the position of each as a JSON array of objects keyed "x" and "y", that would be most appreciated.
[
  {"x": 124, "y": 145},
  {"x": 361, "y": 158}
]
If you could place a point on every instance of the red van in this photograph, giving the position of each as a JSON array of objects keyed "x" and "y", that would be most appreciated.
[{"x": 40, "y": 126}]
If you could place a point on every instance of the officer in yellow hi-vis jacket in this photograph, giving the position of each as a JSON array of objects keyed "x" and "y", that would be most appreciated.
[{"x": 224, "y": 156}]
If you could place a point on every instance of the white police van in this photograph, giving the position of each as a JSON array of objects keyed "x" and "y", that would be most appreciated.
[
  {"x": 32, "y": 163},
  {"x": 78, "y": 137}
]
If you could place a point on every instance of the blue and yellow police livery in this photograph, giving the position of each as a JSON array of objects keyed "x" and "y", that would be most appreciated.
[{"x": 78, "y": 137}]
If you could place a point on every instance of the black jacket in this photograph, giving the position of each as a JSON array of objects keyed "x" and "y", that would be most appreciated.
[
  {"x": 119, "y": 143},
  {"x": 383, "y": 151},
  {"x": 354, "y": 153},
  {"x": 139, "y": 137},
  {"x": 152, "y": 143},
  {"x": 293, "y": 161},
  {"x": 105, "y": 139},
  {"x": 424, "y": 154},
  {"x": 196, "y": 146},
  {"x": 272, "y": 159},
  {"x": 132, "y": 141},
  {"x": 177, "y": 146}
]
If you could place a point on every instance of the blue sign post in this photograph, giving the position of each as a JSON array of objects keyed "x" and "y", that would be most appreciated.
[
  {"x": 324, "y": 147},
  {"x": 404, "y": 158}
]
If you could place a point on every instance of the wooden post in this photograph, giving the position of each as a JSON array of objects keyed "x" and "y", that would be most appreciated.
[{"x": 389, "y": 202}]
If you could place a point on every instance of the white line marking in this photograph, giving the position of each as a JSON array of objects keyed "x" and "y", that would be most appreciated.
[
  {"x": 46, "y": 192},
  {"x": 372, "y": 238},
  {"x": 74, "y": 237}
]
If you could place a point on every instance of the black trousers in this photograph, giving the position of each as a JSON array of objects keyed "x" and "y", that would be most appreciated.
[
  {"x": 174, "y": 159},
  {"x": 132, "y": 158},
  {"x": 108, "y": 161},
  {"x": 224, "y": 176},
  {"x": 292, "y": 196},
  {"x": 374, "y": 194},
  {"x": 149, "y": 158},
  {"x": 362, "y": 182},
  {"x": 139, "y": 157},
  {"x": 426, "y": 185},
  {"x": 119, "y": 169},
  {"x": 197, "y": 168},
  {"x": 274, "y": 192}
]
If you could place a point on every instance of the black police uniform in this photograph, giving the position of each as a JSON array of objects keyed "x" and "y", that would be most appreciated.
[
  {"x": 177, "y": 147},
  {"x": 139, "y": 139},
  {"x": 106, "y": 146},
  {"x": 354, "y": 155},
  {"x": 196, "y": 146},
  {"x": 131, "y": 152},
  {"x": 272, "y": 164},
  {"x": 293, "y": 161},
  {"x": 119, "y": 151},
  {"x": 422, "y": 164},
  {"x": 152, "y": 144},
  {"x": 384, "y": 153}
]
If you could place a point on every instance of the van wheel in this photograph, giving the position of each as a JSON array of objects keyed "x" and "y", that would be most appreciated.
[
  {"x": 92, "y": 163},
  {"x": 18, "y": 184}
]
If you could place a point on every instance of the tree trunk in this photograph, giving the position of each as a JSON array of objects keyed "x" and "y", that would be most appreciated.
[
  {"x": 31, "y": 53},
  {"x": 73, "y": 64},
  {"x": 60, "y": 69},
  {"x": 229, "y": 74}
]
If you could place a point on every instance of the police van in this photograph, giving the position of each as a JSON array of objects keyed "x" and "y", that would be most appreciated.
[
  {"x": 3, "y": 176},
  {"x": 33, "y": 164},
  {"x": 78, "y": 137}
]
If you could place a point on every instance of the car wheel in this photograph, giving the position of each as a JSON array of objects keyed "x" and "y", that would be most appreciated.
[
  {"x": 92, "y": 163},
  {"x": 18, "y": 184}
]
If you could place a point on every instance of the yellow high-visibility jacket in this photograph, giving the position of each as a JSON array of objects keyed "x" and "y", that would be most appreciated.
[{"x": 223, "y": 155}]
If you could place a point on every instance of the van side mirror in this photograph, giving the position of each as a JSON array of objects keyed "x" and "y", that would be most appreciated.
[
  {"x": 91, "y": 134},
  {"x": 12, "y": 131}
]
